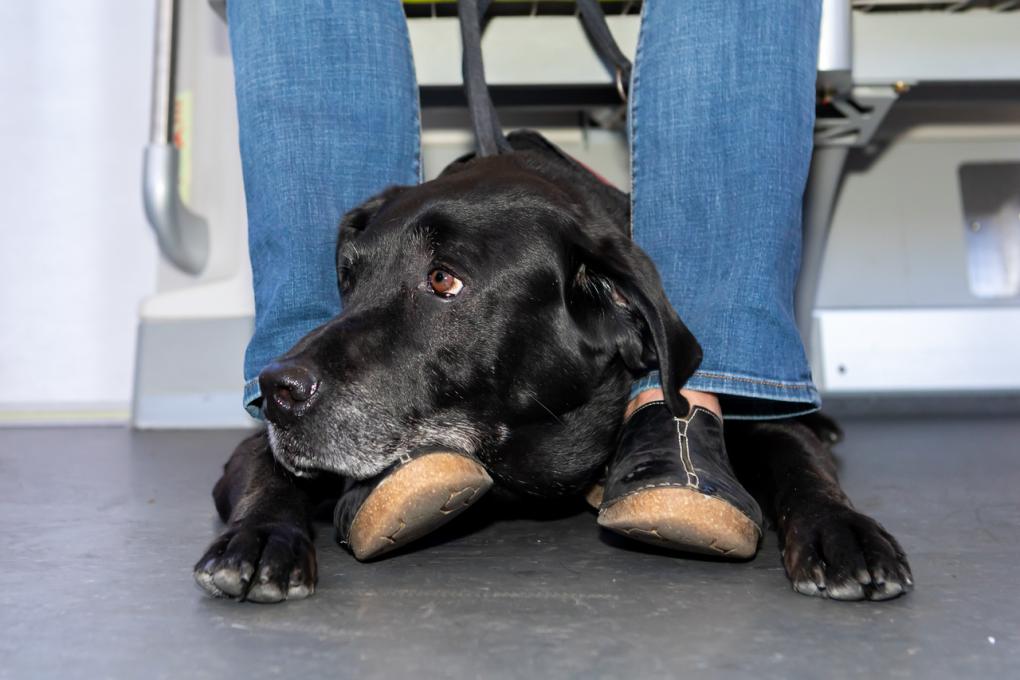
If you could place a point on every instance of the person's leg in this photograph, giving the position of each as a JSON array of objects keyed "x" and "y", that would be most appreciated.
[
  {"x": 328, "y": 112},
  {"x": 722, "y": 112},
  {"x": 327, "y": 106}
]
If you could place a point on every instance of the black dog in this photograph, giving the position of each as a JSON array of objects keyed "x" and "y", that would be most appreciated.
[{"x": 502, "y": 310}]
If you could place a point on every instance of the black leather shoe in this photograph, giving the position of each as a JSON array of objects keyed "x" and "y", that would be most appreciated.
[
  {"x": 671, "y": 484},
  {"x": 412, "y": 498}
]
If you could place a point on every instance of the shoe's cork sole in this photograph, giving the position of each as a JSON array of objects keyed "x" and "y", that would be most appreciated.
[
  {"x": 683, "y": 519},
  {"x": 414, "y": 500}
]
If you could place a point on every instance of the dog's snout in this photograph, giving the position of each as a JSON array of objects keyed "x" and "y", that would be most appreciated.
[{"x": 288, "y": 390}]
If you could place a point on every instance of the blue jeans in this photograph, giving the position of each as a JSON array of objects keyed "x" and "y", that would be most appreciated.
[
  {"x": 721, "y": 119},
  {"x": 722, "y": 109},
  {"x": 327, "y": 106}
]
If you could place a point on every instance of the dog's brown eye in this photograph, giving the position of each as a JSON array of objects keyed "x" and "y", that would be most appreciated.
[{"x": 444, "y": 284}]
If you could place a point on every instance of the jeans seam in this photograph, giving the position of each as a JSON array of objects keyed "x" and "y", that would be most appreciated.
[
  {"x": 652, "y": 379},
  {"x": 418, "y": 168},
  {"x": 631, "y": 117},
  {"x": 756, "y": 381}
]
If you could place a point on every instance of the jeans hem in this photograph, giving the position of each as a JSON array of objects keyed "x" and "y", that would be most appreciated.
[
  {"x": 745, "y": 397},
  {"x": 253, "y": 394}
]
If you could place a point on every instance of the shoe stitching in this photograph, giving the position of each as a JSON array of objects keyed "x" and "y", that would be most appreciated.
[
  {"x": 657, "y": 402},
  {"x": 643, "y": 407},
  {"x": 656, "y": 485},
  {"x": 685, "y": 453},
  {"x": 706, "y": 411}
]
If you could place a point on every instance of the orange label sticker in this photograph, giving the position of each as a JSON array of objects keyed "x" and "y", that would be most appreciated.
[{"x": 182, "y": 141}]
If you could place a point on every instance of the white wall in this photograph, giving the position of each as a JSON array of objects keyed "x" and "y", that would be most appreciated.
[{"x": 76, "y": 254}]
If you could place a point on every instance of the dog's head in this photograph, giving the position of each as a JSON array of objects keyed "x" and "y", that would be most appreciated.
[{"x": 501, "y": 296}]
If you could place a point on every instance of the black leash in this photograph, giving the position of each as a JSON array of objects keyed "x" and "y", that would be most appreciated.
[
  {"x": 600, "y": 37},
  {"x": 488, "y": 132}
]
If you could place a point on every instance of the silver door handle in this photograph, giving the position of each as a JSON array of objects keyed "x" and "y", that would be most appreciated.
[{"x": 183, "y": 236}]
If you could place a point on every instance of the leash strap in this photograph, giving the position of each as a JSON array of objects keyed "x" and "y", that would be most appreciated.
[
  {"x": 484, "y": 120},
  {"x": 601, "y": 38},
  {"x": 488, "y": 132}
]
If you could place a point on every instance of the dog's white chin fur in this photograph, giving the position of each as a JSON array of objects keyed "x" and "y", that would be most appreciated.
[
  {"x": 277, "y": 448},
  {"x": 305, "y": 466},
  {"x": 372, "y": 455}
]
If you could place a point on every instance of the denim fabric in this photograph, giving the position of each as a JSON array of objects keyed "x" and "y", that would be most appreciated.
[
  {"x": 721, "y": 118},
  {"x": 651, "y": 380},
  {"x": 327, "y": 105}
]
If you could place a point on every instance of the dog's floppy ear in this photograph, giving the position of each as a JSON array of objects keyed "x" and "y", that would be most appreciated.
[
  {"x": 357, "y": 219},
  {"x": 637, "y": 286}
]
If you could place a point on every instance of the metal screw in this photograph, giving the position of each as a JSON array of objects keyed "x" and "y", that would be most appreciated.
[{"x": 975, "y": 227}]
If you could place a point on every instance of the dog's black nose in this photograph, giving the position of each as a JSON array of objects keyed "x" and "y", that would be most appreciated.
[{"x": 288, "y": 390}]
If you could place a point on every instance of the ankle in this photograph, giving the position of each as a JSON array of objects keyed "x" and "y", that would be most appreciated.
[
  {"x": 706, "y": 400},
  {"x": 642, "y": 398}
]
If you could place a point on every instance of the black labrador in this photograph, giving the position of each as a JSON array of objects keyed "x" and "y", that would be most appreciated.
[{"x": 502, "y": 310}]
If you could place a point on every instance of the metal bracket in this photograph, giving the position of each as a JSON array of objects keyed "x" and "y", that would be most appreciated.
[{"x": 853, "y": 120}]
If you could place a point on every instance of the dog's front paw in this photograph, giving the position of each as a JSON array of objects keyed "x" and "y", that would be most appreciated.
[
  {"x": 844, "y": 555},
  {"x": 262, "y": 563}
]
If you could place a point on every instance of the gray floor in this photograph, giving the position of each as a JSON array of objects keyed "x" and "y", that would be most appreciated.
[{"x": 100, "y": 528}]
